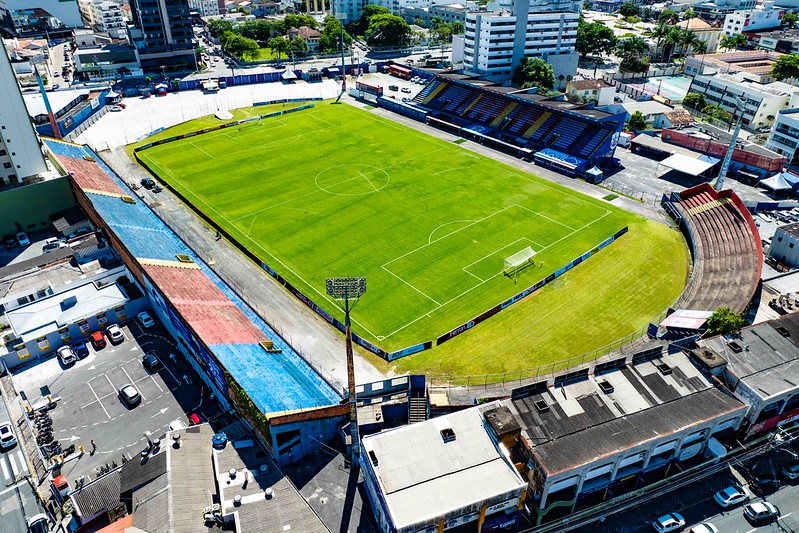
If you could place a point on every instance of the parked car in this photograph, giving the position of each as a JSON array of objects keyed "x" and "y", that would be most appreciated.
[
  {"x": 78, "y": 232},
  {"x": 81, "y": 349},
  {"x": 114, "y": 333},
  {"x": 7, "y": 437},
  {"x": 791, "y": 471},
  {"x": 148, "y": 183},
  {"x": 406, "y": 90},
  {"x": 55, "y": 86},
  {"x": 66, "y": 355},
  {"x": 52, "y": 246},
  {"x": 669, "y": 522},
  {"x": 38, "y": 524},
  {"x": 22, "y": 239},
  {"x": 761, "y": 512},
  {"x": 707, "y": 527},
  {"x": 116, "y": 108},
  {"x": 393, "y": 87},
  {"x": 129, "y": 395},
  {"x": 150, "y": 362},
  {"x": 176, "y": 425},
  {"x": 732, "y": 495},
  {"x": 98, "y": 340},
  {"x": 9, "y": 241},
  {"x": 56, "y": 74},
  {"x": 764, "y": 485},
  {"x": 145, "y": 320}
]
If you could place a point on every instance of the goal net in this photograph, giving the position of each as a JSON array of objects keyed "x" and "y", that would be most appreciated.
[{"x": 518, "y": 261}]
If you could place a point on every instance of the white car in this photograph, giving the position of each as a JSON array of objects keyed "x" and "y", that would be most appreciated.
[
  {"x": 7, "y": 437},
  {"x": 116, "y": 108},
  {"x": 707, "y": 527},
  {"x": 114, "y": 333},
  {"x": 669, "y": 522},
  {"x": 145, "y": 320},
  {"x": 39, "y": 524},
  {"x": 177, "y": 425},
  {"x": 730, "y": 496},
  {"x": 66, "y": 355}
]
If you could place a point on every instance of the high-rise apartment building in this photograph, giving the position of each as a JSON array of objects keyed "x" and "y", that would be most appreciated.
[
  {"x": 496, "y": 41},
  {"x": 20, "y": 153},
  {"x": 162, "y": 34}
]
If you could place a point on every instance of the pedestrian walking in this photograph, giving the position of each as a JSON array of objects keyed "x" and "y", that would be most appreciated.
[{"x": 94, "y": 447}]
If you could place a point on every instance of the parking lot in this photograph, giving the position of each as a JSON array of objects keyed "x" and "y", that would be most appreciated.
[{"x": 89, "y": 405}]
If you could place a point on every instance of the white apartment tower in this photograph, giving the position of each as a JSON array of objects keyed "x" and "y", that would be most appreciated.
[
  {"x": 205, "y": 8},
  {"x": 20, "y": 154},
  {"x": 495, "y": 42},
  {"x": 104, "y": 16}
]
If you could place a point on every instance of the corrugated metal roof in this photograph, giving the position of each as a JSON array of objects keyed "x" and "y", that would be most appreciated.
[{"x": 98, "y": 496}]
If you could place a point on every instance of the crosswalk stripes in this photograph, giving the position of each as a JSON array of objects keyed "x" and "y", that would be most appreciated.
[{"x": 13, "y": 465}]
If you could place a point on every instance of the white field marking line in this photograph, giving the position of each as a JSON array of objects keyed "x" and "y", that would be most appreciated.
[
  {"x": 367, "y": 179},
  {"x": 321, "y": 120},
  {"x": 489, "y": 279},
  {"x": 502, "y": 248},
  {"x": 98, "y": 400},
  {"x": 255, "y": 130},
  {"x": 411, "y": 286},
  {"x": 447, "y": 170},
  {"x": 134, "y": 381},
  {"x": 448, "y": 234},
  {"x": 546, "y": 217},
  {"x": 429, "y": 239},
  {"x": 472, "y": 275},
  {"x": 200, "y": 149}
]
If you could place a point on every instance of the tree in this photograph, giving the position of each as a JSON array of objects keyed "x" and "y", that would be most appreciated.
[
  {"x": 239, "y": 46},
  {"x": 419, "y": 22},
  {"x": 261, "y": 30},
  {"x": 298, "y": 46},
  {"x": 279, "y": 45},
  {"x": 660, "y": 33},
  {"x": 628, "y": 9},
  {"x": 786, "y": 67},
  {"x": 699, "y": 47},
  {"x": 789, "y": 19},
  {"x": 634, "y": 63},
  {"x": 666, "y": 16},
  {"x": 387, "y": 30},
  {"x": 534, "y": 72},
  {"x": 733, "y": 42},
  {"x": 724, "y": 320},
  {"x": 594, "y": 39},
  {"x": 714, "y": 111},
  {"x": 689, "y": 14},
  {"x": 330, "y": 41},
  {"x": 360, "y": 26},
  {"x": 458, "y": 28},
  {"x": 637, "y": 121},
  {"x": 631, "y": 46},
  {"x": 217, "y": 27},
  {"x": 694, "y": 100},
  {"x": 295, "y": 21}
]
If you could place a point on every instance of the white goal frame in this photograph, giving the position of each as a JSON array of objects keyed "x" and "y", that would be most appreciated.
[{"x": 518, "y": 261}]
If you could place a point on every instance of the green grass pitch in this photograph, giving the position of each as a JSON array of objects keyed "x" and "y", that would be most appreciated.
[{"x": 339, "y": 191}]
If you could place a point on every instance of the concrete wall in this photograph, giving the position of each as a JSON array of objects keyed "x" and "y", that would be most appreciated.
[{"x": 28, "y": 208}]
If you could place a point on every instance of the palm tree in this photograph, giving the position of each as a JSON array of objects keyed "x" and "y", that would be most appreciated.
[
  {"x": 699, "y": 47},
  {"x": 673, "y": 38},
  {"x": 660, "y": 33},
  {"x": 733, "y": 42},
  {"x": 689, "y": 40}
]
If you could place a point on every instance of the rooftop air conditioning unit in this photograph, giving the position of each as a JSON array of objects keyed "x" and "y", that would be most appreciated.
[{"x": 541, "y": 406}]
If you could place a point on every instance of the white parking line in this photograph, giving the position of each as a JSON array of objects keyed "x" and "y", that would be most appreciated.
[
  {"x": 132, "y": 381},
  {"x": 109, "y": 382},
  {"x": 98, "y": 399}
]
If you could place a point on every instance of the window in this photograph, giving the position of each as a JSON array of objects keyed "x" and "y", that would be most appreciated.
[
  {"x": 6, "y": 165},
  {"x": 790, "y": 245}
]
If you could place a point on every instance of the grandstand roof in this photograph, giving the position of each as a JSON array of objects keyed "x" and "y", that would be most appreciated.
[
  {"x": 585, "y": 423},
  {"x": 218, "y": 316}
]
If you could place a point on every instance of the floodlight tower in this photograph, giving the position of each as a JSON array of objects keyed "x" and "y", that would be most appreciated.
[
  {"x": 349, "y": 291},
  {"x": 725, "y": 165}
]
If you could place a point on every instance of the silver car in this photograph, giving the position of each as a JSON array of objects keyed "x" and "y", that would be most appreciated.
[{"x": 66, "y": 355}]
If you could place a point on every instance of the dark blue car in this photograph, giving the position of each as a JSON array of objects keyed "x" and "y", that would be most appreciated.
[{"x": 81, "y": 349}]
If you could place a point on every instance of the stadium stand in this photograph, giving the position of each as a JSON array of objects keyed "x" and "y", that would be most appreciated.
[
  {"x": 523, "y": 122},
  {"x": 272, "y": 373},
  {"x": 725, "y": 245}
]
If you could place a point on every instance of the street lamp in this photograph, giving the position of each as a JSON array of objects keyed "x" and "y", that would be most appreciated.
[{"x": 349, "y": 291}]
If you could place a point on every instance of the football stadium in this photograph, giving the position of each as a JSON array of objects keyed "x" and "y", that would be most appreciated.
[{"x": 441, "y": 233}]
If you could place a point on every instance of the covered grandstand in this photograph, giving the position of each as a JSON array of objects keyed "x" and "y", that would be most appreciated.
[
  {"x": 570, "y": 138},
  {"x": 225, "y": 339},
  {"x": 725, "y": 245}
]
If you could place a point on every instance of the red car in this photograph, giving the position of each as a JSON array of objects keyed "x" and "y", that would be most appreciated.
[{"x": 98, "y": 340}]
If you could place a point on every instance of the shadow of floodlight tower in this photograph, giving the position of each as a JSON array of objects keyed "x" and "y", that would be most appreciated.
[{"x": 349, "y": 291}]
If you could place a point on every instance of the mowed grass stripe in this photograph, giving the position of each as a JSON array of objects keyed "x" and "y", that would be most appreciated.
[{"x": 355, "y": 194}]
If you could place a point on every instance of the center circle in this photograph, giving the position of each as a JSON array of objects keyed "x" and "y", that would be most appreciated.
[{"x": 352, "y": 179}]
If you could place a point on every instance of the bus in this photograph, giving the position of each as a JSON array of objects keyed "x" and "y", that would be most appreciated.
[{"x": 400, "y": 72}]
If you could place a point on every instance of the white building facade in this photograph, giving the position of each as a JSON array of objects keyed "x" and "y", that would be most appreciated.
[
  {"x": 105, "y": 16},
  {"x": 495, "y": 42},
  {"x": 205, "y": 7},
  {"x": 20, "y": 154},
  {"x": 784, "y": 136},
  {"x": 752, "y": 20},
  {"x": 762, "y": 101}
]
